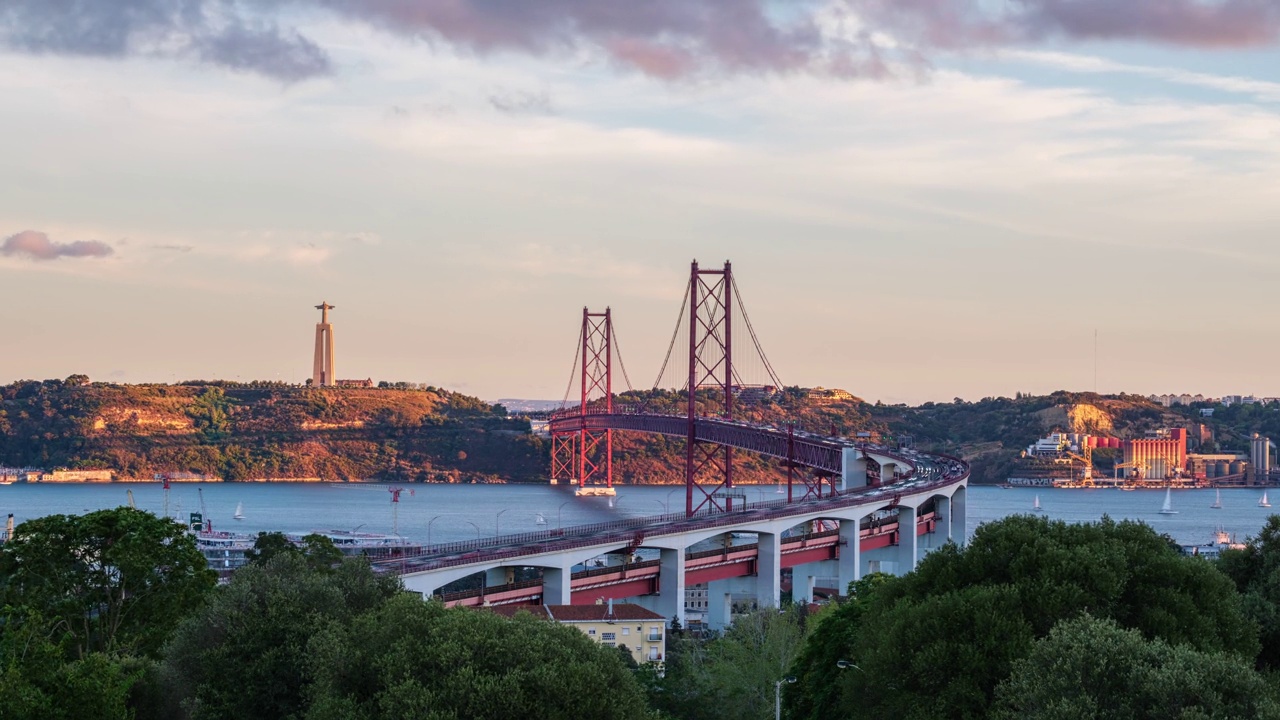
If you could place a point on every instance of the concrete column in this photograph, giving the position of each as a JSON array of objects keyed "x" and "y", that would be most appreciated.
[
  {"x": 942, "y": 524},
  {"x": 886, "y": 472},
  {"x": 906, "y": 539},
  {"x": 719, "y": 604},
  {"x": 958, "y": 516},
  {"x": 802, "y": 587},
  {"x": 769, "y": 570},
  {"x": 671, "y": 586},
  {"x": 557, "y": 585},
  {"x": 850, "y": 562},
  {"x": 854, "y": 469},
  {"x": 499, "y": 576}
]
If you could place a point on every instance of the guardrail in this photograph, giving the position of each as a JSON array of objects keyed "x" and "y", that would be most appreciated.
[{"x": 612, "y": 534}]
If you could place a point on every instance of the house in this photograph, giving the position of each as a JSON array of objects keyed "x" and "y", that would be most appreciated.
[{"x": 642, "y": 631}]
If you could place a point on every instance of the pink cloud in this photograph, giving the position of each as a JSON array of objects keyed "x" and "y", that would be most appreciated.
[{"x": 35, "y": 245}]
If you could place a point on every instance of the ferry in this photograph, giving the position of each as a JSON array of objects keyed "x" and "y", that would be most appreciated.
[
  {"x": 226, "y": 552},
  {"x": 1221, "y": 541}
]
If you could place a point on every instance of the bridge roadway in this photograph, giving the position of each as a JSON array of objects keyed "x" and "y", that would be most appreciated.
[
  {"x": 939, "y": 480},
  {"x": 831, "y": 455}
]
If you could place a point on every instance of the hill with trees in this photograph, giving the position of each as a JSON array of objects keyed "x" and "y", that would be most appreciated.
[
  {"x": 411, "y": 433},
  {"x": 254, "y": 431}
]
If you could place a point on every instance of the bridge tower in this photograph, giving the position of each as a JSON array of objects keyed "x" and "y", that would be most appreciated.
[
  {"x": 586, "y": 456},
  {"x": 710, "y": 369}
]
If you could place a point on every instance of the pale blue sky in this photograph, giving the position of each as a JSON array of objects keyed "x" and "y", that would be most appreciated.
[{"x": 955, "y": 223}]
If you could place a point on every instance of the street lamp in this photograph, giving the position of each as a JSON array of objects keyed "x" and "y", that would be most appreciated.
[
  {"x": 667, "y": 501},
  {"x": 777, "y": 695},
  {"x": 559, "y": 526},
  {"x": 429, "y": 528},
  {"x": 845, "y": 665},
  {"x": 495, "y": 520},
  {"x": 477, "y": 527}
]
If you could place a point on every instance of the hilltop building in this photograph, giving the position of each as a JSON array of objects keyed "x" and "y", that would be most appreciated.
[{"x": 322, "y": 374}]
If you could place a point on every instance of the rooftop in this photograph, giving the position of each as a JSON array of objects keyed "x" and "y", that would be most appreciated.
[{"x": 581, "y": 613}]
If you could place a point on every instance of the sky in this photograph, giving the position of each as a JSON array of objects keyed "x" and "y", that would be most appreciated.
[{"x": 922, "y": 199}]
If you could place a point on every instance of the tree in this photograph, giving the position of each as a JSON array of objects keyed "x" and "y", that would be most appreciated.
[
  {"x": 38, "y": 682},
  {"x": 937, "y": 641},
  {"x": 245, "y": 653},
  {"x": 1255, "y": 570},
  {"x": 116, "y": 580},
  {"x": 410, "y": 659},
  {"x": 733, "y": 675},
  {"x": 319, "y": 551},
  {"x": 1092, "y": 668}
]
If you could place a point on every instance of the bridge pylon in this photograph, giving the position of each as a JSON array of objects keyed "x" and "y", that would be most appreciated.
[
  {"x": 585, "y": 456},
  {"x": 710, "y": 370}
]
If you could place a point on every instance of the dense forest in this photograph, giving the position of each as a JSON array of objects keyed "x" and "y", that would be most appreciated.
[
  {"x": 113, "y": 615},
  {"x": 404, "y": 433}
]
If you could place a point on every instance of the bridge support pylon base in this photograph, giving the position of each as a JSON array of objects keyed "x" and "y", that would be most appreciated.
[{"x": 594, "y": 492}]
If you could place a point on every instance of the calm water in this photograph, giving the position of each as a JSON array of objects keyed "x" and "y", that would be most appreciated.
[{"x": 461, "y": 512}]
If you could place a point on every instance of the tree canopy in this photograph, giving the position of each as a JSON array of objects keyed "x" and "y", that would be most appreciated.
[
  {"x": 114, "y": 580},
  {"x": 1092, "y": 668},
  {"x": 937, "y": 642}
]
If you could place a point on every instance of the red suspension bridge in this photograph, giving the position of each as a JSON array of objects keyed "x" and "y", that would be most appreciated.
[{"x": 582, "y": 436}]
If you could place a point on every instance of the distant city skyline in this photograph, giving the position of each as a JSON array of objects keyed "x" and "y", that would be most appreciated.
[{"x": 921, "y": 201}]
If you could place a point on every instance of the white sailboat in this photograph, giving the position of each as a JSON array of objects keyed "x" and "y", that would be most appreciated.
[
  {"x": 1217, "y": 500},
  {"x": 540, "y": 520},
  {"x": 239, "y": 511},
  {"x": 1263, "y": 502},
  {"x": 1036, "y": 505},
  {"x": 1167, "y": 509}
]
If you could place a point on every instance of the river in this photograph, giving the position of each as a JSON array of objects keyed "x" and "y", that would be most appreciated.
[{"x": 441, "y": 513}]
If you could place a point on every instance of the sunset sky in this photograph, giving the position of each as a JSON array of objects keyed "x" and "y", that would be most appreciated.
[{"x": 922, "y": 199}]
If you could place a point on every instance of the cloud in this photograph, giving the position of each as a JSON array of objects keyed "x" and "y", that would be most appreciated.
[
  {"x": 951, "y": 24},
  {"x": 216, "y": 32},
  {"x": 173, "y": 248},
  {"x": 512, "y": 102},
  {"x": 665, "y": 39},
  {"x": 36, "y": 245}
]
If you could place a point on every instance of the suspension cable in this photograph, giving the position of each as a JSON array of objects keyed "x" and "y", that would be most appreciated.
[
  {"x": 671, "y": 347},
  {"x": 573, "y": 372},
  {"x": 618, "y": 349},
  {"x": 767, "y": 366}
]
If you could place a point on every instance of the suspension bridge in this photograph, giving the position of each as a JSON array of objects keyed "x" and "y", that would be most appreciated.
[{"x": 849, "y": 507}]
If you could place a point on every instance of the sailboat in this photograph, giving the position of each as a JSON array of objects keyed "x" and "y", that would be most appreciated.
[
  {"x": 1036, "y": 505},
  {"x": 539, "y": 520},
  {"x": 1263, "y": 502},
  {"x": 1217, "y": 500},
  {"x": 1167, "y": 509},
  {"x": 239, "y": 511}
]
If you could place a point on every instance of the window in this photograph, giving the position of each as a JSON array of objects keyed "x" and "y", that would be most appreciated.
[
  {"x": 609, "y": 637},
  {"x": 591, "y": 631},
  {"x": 626, "y": 631}
]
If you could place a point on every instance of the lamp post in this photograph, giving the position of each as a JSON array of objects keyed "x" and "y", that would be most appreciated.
[
  {"x": 667, "y": 501},
  {"x": 777, "y": 695},
  {"x": 495, "y": 520},
  {"x": 477, "y": 527},
  {"x": 429, "y": 528},
  {"x": 559, "y": 526}
]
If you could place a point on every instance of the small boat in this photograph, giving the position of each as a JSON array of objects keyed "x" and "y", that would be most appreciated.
[
  {"x": 1217, "y": 500},
  {"x": 540, "y": 520},
  {"x": 1167, "y": 508},
  {"x": 239, "y": 511},
  {"x": 1036, "y": 506},
  {"x": 1263, "y": 502}
]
